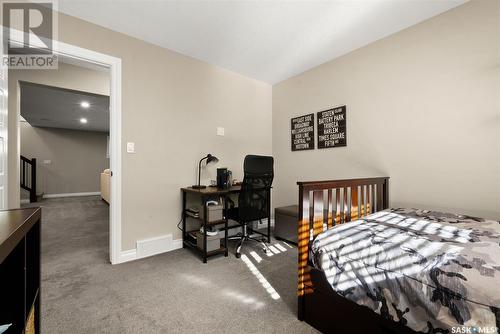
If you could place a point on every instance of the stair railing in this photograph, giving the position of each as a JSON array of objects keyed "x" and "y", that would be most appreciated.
[{"x": 28, "y": 176}]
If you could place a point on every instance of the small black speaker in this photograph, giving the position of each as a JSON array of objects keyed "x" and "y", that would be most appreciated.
[{"x": 223, "y": 178}]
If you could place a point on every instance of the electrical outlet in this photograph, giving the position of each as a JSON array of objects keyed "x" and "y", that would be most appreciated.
[{"x": 220, "y": 131}]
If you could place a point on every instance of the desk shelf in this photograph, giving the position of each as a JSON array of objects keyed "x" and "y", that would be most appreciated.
[
  {"x": 194, "y": 247},
  {"x": 217, "y": 251},
  {"x": 212, "y": 223},
  {"x": 189, "y": 240}
]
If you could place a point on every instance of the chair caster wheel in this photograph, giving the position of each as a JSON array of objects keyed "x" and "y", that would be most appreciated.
[{"x": 238, "y": 255}]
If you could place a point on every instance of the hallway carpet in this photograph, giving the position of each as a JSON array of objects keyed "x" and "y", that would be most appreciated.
[{"x": 168, "y": 293}]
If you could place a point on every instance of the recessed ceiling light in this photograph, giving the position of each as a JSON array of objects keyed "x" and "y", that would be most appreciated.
[
  {"x": 84, "y": 104},
  {"x": 83, "y": 120}
]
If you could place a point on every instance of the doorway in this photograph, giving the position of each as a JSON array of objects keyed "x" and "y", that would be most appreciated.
[{"x": 73, "y": 54}]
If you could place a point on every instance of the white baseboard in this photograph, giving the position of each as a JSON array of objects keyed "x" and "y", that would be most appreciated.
[
  {"x": 92, "y": 193},
  {"x": 176, "y": 244},
  {"x": 150, "y": 247},
  {"x": 128, "y": 255}
]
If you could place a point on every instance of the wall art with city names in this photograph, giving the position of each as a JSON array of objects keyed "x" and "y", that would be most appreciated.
[
  {"x": 302, "y": 133},
  {"x": 332, "y": 128}
]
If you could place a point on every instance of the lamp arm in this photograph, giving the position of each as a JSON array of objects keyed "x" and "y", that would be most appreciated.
[{"x": 199, "y": 169}]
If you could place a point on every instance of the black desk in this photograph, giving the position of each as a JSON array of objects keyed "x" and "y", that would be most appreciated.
[{"x": 207, "y": 194}]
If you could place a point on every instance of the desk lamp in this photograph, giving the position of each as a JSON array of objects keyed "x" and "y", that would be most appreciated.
[{"x": 210, "y": 158}]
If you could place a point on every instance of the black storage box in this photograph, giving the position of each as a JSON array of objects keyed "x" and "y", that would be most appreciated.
[{"x": 286, "y": 223}]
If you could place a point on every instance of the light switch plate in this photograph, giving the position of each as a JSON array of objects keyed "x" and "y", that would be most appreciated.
[
  {"x": 130, "y": 147},
  {"x": 220, "y": 131}
]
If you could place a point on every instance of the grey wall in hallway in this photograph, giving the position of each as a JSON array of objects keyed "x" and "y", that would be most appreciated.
[{"x": 76, "y": 158}]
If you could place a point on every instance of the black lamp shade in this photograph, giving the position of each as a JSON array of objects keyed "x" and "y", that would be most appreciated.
[{"x": 212, "y": 158}]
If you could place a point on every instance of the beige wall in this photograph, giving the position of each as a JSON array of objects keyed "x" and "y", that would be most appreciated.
[
  {"x": 423, "y": 107},
  {"x": 171, "y": 106},
  {"x": 77, "y": 158}
]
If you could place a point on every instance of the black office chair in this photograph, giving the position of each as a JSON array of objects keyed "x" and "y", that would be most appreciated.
[{"x": 254, "y": 198}]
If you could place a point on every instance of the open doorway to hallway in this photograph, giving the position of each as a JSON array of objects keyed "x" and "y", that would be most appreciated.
[{"x": 65, "y": 153}]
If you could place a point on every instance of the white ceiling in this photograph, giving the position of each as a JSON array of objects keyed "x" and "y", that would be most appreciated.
[
  {"x": 266, "y": 40},
  {"x": 53, "y": 107}
]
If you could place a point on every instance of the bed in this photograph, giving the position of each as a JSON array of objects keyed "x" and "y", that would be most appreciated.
[{"x": 366, "y": 268}]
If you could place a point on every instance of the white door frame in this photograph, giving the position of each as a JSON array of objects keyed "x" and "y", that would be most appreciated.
[
  {"x": 114, "y": 65},
  {"x": 4, "y": 129}
]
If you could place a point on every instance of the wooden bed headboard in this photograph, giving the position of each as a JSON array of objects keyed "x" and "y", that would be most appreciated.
[{"x": 324, "y": 204}]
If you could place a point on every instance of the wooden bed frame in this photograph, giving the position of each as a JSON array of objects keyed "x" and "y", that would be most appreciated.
[{"x": 322, "y": 205}]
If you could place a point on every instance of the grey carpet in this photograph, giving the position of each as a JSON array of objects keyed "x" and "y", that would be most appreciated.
[{"x": 168, "y": 293}]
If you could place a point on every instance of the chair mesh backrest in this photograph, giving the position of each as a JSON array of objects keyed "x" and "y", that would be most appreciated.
[{"x": 258, "y": 177}]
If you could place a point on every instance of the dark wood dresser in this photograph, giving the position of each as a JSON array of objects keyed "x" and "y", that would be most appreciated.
[{"x": 20, "y": 270}]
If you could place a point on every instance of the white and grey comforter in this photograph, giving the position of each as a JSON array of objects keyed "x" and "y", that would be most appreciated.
[{"x": 430, "y": 271}]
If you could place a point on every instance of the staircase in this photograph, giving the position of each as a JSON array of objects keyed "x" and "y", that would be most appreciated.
[{"x": 28, "y": 176}]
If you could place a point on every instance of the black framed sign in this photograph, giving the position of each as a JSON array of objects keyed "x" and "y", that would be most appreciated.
[
  {"x": 302, "y": 132},
  {"x": 332, "y": 128}
]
